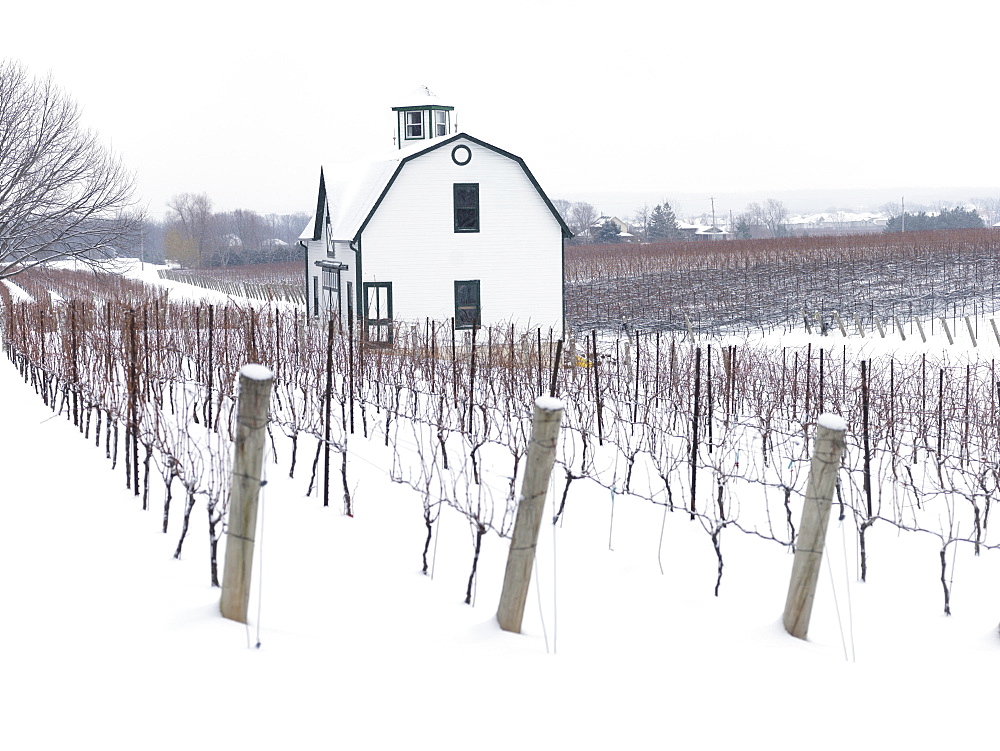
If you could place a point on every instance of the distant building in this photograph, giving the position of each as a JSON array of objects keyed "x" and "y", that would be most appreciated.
[
  {"x": 623, "y": 230},
  {"x": 836, "y": 223},
  {"x": 698, "y": 231}
]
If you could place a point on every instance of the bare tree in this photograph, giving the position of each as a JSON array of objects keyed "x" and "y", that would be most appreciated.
[
  {"x": 251, "y": 230},
  {"x": 989, "y": 209},
  {"x": 640, "y": 221},
  {"x": 193, "y": 211},
  {"x": 62, "y": 194},
  {"x": 772, "y": 214},
  {"x": 582, "y": 215},
  {"x": 563, "y": 207}
]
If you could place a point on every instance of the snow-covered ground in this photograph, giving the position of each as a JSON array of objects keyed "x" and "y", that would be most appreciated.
[{"x": 108, "y": 642}]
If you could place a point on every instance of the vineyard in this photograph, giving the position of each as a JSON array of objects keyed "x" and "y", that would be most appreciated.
[
  {"x": 744, "y": 287},
  {"x": 716, "y": 433},
  {"x": 273, "y": 282}
]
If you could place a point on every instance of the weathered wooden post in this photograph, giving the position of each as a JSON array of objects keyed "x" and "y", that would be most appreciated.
[
  {"x": 972, "y": 333},
  {"x": 840, "y": 323},
  {"x": 521, "y": 558},
  {"x": 878, "y": 325},
  {"x": 248, "y": 459},
  {"x": 947, "y": 331},
  {"x": 827, "y": 448}
]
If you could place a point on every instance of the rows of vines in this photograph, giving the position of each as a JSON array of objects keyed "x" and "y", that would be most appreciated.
[
  {"x": 745, "y": 286},
  {"x": 717, "y": 435}
]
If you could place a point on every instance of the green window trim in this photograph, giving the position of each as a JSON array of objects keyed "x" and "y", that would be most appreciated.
[
  {"x": 466, "y": 200},
  {"x": 440, "y": 123},
  {"x": 413, "y": 127},
  {"x": 378, "y": 313},
  {"x": 468, "y": 305}
]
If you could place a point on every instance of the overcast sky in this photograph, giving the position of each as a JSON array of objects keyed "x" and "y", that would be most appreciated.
[{"x": 245, "y": 100}]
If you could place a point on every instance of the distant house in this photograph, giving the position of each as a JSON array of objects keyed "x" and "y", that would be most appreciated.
[
  {"x": 623, "y": 230},
  {"x": 836, "y": 223},
  {"x": 442, "y": 226},
  {"x": 698, "y": 231}
]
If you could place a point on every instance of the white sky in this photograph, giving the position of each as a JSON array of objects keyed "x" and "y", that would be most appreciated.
[{"x": 245, "y": 100}]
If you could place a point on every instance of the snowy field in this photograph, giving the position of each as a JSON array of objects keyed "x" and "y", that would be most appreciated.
[{"x": 109, "y": 642}]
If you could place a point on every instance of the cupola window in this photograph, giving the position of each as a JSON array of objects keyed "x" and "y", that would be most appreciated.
[
  {"x": 415, "y": 124},
  {"x": 440, "y": 123}
]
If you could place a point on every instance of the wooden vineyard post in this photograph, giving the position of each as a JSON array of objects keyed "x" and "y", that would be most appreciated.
[
  {"x": 840, "y": 323},
  {"x": 829, "y": 445},
  {"x": 521, "y": 558},
  {"x": 972, "y": 333},
  {"x": 947, "y": 331},
  {"x": 248, "y": 459}
]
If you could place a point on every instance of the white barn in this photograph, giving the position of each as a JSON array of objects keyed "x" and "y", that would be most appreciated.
[{"x": 444, "y": 225}]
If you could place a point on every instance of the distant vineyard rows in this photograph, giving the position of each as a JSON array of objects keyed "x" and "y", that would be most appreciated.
[{"x": 745, "y": 286}]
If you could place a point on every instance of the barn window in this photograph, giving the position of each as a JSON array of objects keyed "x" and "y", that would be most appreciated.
[
  {"x": 468, "y": 310},
  {"x": 414, "y": 124},
  {"x": 467, "y": 207},
  {"x": 378, "y": 313},
  {"x": 331, "y": 290}
]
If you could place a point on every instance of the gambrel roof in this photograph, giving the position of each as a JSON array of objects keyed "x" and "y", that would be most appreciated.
[{"x": 356, "y": 189}]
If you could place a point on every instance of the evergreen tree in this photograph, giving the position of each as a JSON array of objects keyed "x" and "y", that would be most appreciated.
[
  {"x": 607, "y": 232},
  {"x": 663, "y": 223},
  {"x": 956, "y": 218},
  {"x": 744, "y": 225}
]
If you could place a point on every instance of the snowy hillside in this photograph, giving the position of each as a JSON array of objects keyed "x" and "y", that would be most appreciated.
[{"x": 112, "y": 643}]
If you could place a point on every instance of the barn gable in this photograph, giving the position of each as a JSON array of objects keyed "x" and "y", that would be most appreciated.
[{"x": 363, "y": 186}]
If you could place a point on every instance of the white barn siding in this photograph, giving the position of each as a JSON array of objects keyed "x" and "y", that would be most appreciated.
[
  {"x": 317, "y": 251},
  {"x": 516, "y": 255},
  {"x": 346, "y": 255}
]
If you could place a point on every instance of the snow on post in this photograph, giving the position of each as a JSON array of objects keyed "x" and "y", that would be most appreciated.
[
  {"x": 828, "y": 446},
  {"x": 248, "y": 459},
  {"x": 538, "y": 469}
]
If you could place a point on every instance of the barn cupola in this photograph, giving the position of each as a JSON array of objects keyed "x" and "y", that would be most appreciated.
[{"x": 422, "y": 118}]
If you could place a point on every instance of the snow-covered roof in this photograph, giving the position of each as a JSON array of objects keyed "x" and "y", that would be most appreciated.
[
  {"x": 307, "y": 231},
  {"x": 698, "y": 228},
  {"x": 353, "y": 189},
  {"x": 421, "y": 97},
  {"x": 836, "y": 217}
]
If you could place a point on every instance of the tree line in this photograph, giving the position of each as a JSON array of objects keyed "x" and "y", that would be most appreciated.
[
  {"x": 956, "y": 218},
  {"x": 64, "y": 194},
  {"x": 193, "y": 235}
]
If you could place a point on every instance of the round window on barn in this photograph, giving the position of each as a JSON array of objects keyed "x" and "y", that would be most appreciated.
[{"x": 461, "y": 155}]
